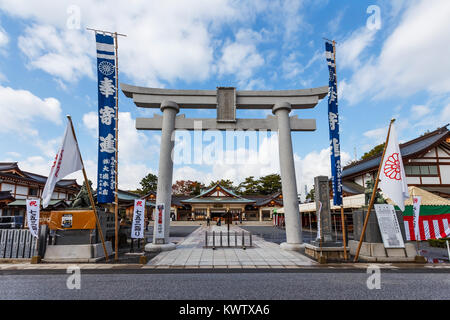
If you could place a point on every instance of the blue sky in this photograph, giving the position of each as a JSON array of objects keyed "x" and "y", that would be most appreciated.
[{"x": 397, "y": 68}]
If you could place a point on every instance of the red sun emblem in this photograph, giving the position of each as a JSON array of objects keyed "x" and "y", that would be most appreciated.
[{"x": 392, "y": 167}]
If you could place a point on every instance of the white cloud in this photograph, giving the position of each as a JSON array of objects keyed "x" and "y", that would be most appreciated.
[
  {"x": 19, "y": 109},
  {"x": 4, "y": 39},
  {"x": 64, "y": 54},
  {"x": 136, "y": 150},
  {"x": 348, "y": 52},
  {"x": 263, "y": 162},
  {"x": 378, "y": 135},
  {"x": 241, "y": 57},
  {"x": 292, "y": 68},
  {"x": 418, "y": 111},
  {"x": 157, "y": 33},
  {"x": 36, "y": 164},
  {"x": 414, "y": 57},
  {"x": 167, "y": 40}
]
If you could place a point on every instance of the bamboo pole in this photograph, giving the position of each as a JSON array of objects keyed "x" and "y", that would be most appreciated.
[
  {"x": 342, "y": 200},
  {"x": 372, "y": 199},
  {"x": 116, "y": 165},
  {"x": 344, "y": 238},
  {"x": 91, "y": 198},
  {"x": 116, "y": 191}
]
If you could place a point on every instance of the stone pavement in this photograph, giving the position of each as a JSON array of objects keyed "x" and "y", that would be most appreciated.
[{"x": 190, "y": 253}]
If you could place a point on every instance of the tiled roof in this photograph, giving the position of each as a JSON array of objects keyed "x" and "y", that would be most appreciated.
[
  {"x": 32, "y": 177},
  {"x": 428, "y": 198},
  {"x": 201, "y": 198},
  {"x": 23, "y": 202},
  {"x": 6, "y": 195},
  {"x": 352, "y": 188},
  {"x": 407, "y": 149},
  {"x": 265, "y": 199}
]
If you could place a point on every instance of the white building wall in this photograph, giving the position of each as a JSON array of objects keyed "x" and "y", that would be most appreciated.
[
  {"x": 7, "y": 187},
  {"x": 445, "y": 174},
  {"x": 360, "y": 181},
  {"x": 413, "y": 180},
  {"x": 422, "y": 160},
  {"x": 430, "y": 153},
  {"x": 442, "y": 153},
  {"x": 22, "y": 190},
  {"x": 430, "y": 180}
]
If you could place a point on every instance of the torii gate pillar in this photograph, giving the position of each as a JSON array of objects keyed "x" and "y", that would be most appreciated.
[
  {"x": 288, "y": 180},
  {"x": 225, "y": 101}
]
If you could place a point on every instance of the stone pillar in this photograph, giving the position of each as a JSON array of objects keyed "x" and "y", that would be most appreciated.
[
  {"x": 322, "y": 194},
  {"x": 288, "y": 180},
  {"x": 165, "y": 173},
  {"x": 208, "y": 212},
  {"x": 260, "y": 214}
]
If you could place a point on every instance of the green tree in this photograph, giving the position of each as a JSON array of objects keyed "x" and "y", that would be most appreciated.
[
  {"x": 375, "y": 150},
  {"x": 149, "y": 183},
  {"x": 187, "y": 187},
  {"x": 310, "y": 197},
  {"x": 270, "y": 184},
  {"x": 227, "y": 184},
  {"x": 249, "y": 186}
]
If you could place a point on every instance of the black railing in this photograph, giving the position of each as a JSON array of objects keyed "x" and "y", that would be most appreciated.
[{"x": 228, "y": 239}]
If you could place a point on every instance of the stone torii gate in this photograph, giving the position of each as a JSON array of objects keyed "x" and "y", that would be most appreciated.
[{"x": 226, "y": 100}]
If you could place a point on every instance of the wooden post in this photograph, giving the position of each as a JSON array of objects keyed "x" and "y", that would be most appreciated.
[
  {"x": 116, "y": 166},
  {"x": 342, "y": 200},
  {"x": 372, "y": 199},
  {"x": 344, "y": 238},
  {"x": 91, "y": 198},
  {"x": 116, "y": 191}
]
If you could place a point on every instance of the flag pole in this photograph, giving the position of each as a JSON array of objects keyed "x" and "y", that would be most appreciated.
[
  {"x": 372, "y": 199},
  {"x": 116, "y": 165},
  {"x": 88, "y": 187},
  {"x": 116, "y": 160},
  {"x": 344, "y": 240}
]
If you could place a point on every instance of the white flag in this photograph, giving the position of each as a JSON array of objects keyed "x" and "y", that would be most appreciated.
[
  {"x": 416, "y": 211},
  {"x": 137, "y": 227},
  {"x": 392, "y": 175},
  {"x": 33, "y": 216},
  {"x": 67, "y": 161}
]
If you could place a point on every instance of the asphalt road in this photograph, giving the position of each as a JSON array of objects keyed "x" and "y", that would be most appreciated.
[{"x": 229, "y": 286}]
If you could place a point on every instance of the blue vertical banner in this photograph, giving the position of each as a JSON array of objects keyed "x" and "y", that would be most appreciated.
[
  {"x": 333, "y": 121},
  {"x": 106, "y": 71}
]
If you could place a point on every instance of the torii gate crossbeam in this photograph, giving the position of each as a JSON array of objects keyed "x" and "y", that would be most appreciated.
[{"x": 226, "y": 100}]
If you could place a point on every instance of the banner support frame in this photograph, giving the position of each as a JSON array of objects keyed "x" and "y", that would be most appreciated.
[{"x": 372, "y": 199}]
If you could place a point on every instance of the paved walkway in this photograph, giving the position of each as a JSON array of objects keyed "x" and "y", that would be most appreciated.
[{"x": 191, "y": 253}]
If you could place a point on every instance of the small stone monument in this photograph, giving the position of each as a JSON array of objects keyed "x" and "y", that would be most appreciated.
[
  {"x": 322, "y": 196},
  {"x": 327, "y": 248}
]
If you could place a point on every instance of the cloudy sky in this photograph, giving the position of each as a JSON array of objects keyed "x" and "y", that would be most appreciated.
[{"x": 392, "y": 62}]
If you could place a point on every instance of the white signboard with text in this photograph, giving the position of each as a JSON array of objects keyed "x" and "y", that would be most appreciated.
[
  {"x": 137, "y": 228},
  {"x": 33, "y": 209},
  {"x": 389, "y": 226},
  {"x": 416, "y": 211},
  {"x": 159, "y": 219}
]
